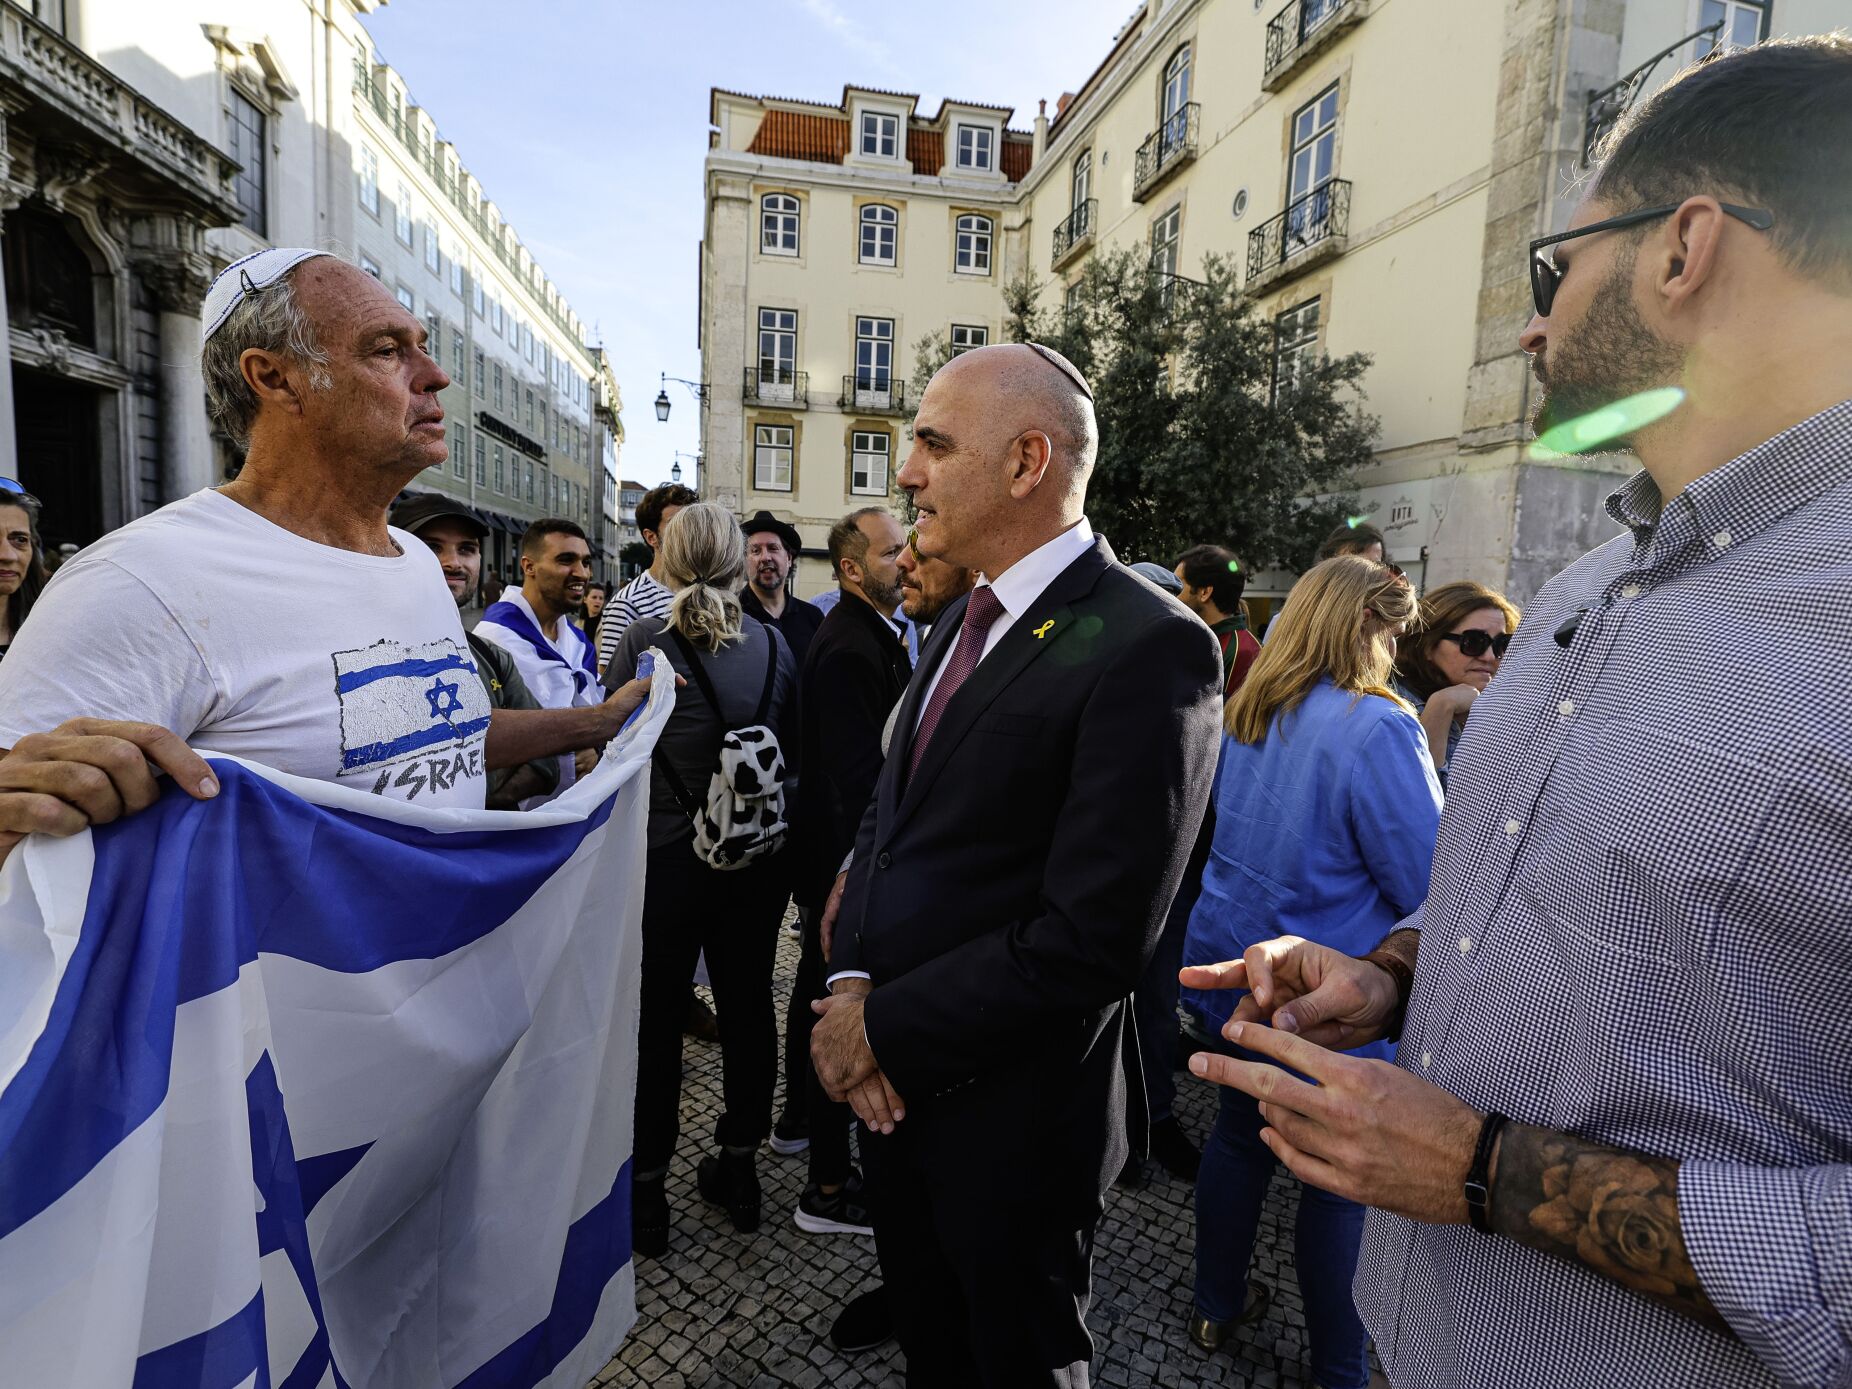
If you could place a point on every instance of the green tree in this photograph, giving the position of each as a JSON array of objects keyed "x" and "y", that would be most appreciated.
[{"x": 1195, "y": 442}]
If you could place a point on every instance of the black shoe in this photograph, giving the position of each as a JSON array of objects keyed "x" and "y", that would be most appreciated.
[
  {"x": 731, "y": 1181},
  {"x": 864, "y": 1324},
  {"x": 842, "y": 1212},
  {"x": 1209, "y": 1335},
  {"x": 791, "y": 1134},
  {"x": 701, "y": 1024},
  {"x": 1171, "y": 1146},
  {"x": 649, "y": 1217}
]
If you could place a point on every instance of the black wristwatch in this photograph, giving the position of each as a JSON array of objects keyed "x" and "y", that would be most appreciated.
[{"x": 1478, "y": 1183}]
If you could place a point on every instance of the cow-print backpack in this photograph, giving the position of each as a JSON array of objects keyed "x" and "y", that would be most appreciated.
[{"x": 743, "y": 816}]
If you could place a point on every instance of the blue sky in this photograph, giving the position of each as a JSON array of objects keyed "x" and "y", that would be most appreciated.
[{"x": 586, "y": 121}]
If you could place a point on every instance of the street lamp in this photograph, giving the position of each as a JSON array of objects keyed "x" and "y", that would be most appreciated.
[
  {"x": 675, "y": 469},
  {"x": 697, "y": 388}
]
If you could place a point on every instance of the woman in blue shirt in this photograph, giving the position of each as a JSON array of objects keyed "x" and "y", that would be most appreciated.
[{"x": 1325, "y": 810}]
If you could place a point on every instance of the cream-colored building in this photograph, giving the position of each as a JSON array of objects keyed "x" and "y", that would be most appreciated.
[
  {"x": 1377, "y": 168},
  {"x": 149, "y": 145}
]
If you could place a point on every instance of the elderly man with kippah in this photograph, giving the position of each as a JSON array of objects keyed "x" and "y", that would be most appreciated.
[{"x": 353, "y": 668}]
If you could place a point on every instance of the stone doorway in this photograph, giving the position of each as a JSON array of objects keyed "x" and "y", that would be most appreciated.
[{"x": 57, "y": 424}]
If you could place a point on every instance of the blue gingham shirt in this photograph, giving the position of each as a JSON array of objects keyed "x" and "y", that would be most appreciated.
[{"x": 1639, "y": 930}]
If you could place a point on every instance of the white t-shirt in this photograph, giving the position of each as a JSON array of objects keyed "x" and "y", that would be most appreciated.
[{"x": 245, "y": 638}]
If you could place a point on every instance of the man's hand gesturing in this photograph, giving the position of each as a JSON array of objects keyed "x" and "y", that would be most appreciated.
[
  {"x": 88, "y": 772},
  {"x": 1324, "y": 995}
]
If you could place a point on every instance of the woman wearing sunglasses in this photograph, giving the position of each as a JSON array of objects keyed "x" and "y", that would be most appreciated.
[
  {"x": 1451, "y": 657},
  {"x": 22, "y": 568}
]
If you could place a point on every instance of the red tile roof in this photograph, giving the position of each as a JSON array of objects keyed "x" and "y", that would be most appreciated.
[
  {"x": 1017, "y": 156},
  {"x": 925, "y": 150},
  {"x": 797, "y": 135}
]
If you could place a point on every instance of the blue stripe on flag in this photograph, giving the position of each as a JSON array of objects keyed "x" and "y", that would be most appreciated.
[
  {"x": 358, "y": 679},
  {"x": 369, "y": 753},
  {"x": 186, "y": 892},
  {"x": 597, "y": 1247},
  {"x": 221, "y": 1358}
]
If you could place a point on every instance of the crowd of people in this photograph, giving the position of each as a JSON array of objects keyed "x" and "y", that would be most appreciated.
[{"x": 1521, "y": 945}]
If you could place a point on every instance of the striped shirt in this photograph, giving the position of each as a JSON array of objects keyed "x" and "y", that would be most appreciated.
[
  {"x": 1639, "y": 931},
  {"x": 641, "y": 597}
]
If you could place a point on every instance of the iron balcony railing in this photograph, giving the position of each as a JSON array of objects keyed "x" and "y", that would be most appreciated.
[
  {"x": 1293, "y": 27},
  {"x": 1320, "y": 216},
  {"x": 1076, "y": 229},
  {"x": 869, "y": 392},
  {"x": 1165, "y": 150},
  {"x": 777, "y": 386}
]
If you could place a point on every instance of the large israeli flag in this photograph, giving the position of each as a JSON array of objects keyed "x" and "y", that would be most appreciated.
[{"x": 306, "y": 1088}]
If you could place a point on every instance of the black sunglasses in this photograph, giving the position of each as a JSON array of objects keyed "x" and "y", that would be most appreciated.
[
  {"x": 10, "y": 488},
  {"x": 1545, "y": 276},
  {"x": 1478, "y": 643}
]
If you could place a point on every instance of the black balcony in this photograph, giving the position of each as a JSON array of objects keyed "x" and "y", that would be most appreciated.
[
  {"x": 1311, "y": 230},
  {"x": 1302, "y": 29},
  {"x": 1165, "y": 150},
  {"x": 777, "y": 386},
  {"x": 1075, "y": 233},
  {"x": 870, "y": 394}
]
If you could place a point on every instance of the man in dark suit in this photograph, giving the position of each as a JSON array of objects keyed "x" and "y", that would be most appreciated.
[
  {"x": 1049, "y": 767},
  {"x": 852, "y": 678}
]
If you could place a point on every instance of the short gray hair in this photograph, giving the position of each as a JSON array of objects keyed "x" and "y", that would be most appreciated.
[{"x": 271, "y": 320}]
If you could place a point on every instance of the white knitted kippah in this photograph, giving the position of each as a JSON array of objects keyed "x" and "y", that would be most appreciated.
[{"x": 257, "y": 271}]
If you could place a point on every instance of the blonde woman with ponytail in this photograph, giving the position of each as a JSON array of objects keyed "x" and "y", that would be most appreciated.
[
  {"x": 1325, "y": 810},
  {"x": 689, "y": 906}
]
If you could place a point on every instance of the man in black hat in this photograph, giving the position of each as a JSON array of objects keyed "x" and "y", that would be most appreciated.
[
  {"x": 455, "y": 532},
  {"x": 771, "y": 552}
]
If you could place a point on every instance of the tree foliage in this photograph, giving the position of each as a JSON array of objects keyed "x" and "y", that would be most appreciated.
[{"x": 1195, "y": 445}]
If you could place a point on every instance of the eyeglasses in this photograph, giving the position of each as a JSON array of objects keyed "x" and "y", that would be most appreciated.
[
  {"x": 1478, "y": 643},
  {"x": 10, "y": 488},
  {"x": 1545, "y": 276},
  {"x": 1064, "y": 366}
]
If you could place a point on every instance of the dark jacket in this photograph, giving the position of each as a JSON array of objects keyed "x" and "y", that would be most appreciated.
[
  {"x": 797, "y": 624},
  {"x": 1005, "y": 899},
  {"x": 856, "y": 671}
]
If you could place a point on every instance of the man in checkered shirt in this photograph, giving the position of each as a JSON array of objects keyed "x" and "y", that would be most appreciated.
[{"x": 1638, "y": 936}]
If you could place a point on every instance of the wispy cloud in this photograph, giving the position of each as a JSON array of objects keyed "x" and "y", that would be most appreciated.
[{"x": 851, "y": 34}]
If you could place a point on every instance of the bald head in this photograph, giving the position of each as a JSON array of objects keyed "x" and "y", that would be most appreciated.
[{"x": 1016, "y": 390}]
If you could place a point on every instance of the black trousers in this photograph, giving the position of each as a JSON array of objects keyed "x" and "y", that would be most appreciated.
[
  {"x": 987, "y": 1276},
  {"x": 734, "y": 916},
  {"x": 830, "y": 1163}
]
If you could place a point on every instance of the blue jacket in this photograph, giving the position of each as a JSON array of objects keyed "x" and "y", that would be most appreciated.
[{"x": 1323, "y": 829}]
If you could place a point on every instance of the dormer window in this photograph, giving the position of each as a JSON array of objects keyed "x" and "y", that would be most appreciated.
[
  {"x": 974, "y": 144},
  {"x": 880, "y": 135}
]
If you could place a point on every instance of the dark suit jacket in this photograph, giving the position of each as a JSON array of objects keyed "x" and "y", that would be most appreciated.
[
  {"x": 856, "y": 670},
  {"x": 1005, "y": 899}
]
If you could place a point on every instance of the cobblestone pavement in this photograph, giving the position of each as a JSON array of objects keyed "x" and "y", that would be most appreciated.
[{"x": 727, "y": 1309}]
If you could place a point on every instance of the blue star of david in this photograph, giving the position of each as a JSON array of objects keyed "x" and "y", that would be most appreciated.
[{"x": 443, "y": 699}]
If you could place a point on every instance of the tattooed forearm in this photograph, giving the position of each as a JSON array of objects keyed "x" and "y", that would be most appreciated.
[{"x": 1611, "y": 1211}]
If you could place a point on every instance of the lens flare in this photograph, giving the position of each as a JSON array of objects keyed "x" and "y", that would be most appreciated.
[
  {"x": 1354, "y": 521},
  {"x": 1610, "y": 422},
  {"x": 1234, "y": 567}
]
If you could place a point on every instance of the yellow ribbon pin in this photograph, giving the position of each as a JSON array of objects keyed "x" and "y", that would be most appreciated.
[{"x": 1044, "y": 629}]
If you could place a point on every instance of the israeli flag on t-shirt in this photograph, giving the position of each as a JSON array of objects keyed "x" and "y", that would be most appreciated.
[
  {"x": 303, "y": 1088},
  {"x": 398, "y": 701}
]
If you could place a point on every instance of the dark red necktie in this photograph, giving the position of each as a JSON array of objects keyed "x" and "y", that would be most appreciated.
[{"x": 981, "y": 612}]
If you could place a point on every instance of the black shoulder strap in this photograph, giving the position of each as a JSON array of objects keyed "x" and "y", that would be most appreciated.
[
  {"x": 771, "y": 674},
  {"x": 698, "y": 671}
]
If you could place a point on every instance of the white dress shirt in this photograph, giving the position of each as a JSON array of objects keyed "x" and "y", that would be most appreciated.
[{"x": 1017, "y": 588}]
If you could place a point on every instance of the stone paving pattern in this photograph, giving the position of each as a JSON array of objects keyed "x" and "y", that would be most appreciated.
[{"x": 728, "y": 1309}]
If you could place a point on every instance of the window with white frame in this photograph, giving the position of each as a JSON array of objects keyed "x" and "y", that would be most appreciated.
[
  {"x": 433, "y": 252},
  {"x": 778, "y": 224},
  {"x": 482, "y": 466},
  {"x": 880, "y": 234},
  {"x": 482, "y": 373},
  {"x": 874, "y": 354},
  {"x": 966, "y": 336},
  {"x": 456, "y": 269},
  {"x": 406, "y": 298},
  {"x": 1744, "y": 22},
  {"x": 1314, "y": 144},
  {"x": 247, "y": 126},
  {"x": 458, "y": 451},
  {"x": 371, "y": 266},
  {"x": 880, "y": 135},
  {"x": 771, "y": 457},
  {"x": 868, "y": 458},
  {"x": 501, "y": 470},
  {"x": 1070, "y": 302},
  {"x": 1081, "y": 183},
  {"x": 498, "y": 385},
  {"x": 1176, "y": 94},
  {"x": 434, "y": 336},
  {"x": 972, "y": 256},
  {"x": 1295, "y": 345},
  {"x": 974, "y": 144},
  {"x": 481, "y": 297},
  {"x": 495, "y": 312},
  {"x": 402, "y": 215},
  {"x": 369, "y": 180},
  {"x": 1166, "y": 232},
  {"x": 456, "y": 348},
  {"x": 777, "y": 350}
]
